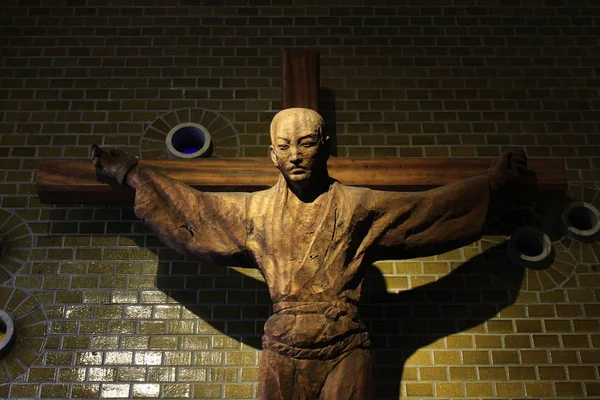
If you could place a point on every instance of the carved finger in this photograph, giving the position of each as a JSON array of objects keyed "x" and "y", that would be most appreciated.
[
  {"x": 518, "y": 160},
  {"x": 95, "y": 150},
  {"x": 521, "y": 167},
  {"x": 116, "y": 152},
  {"x": 503, "y": 159}
]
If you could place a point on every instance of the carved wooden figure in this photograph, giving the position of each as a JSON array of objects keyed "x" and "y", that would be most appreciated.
[{"x": 312, "y": 239}]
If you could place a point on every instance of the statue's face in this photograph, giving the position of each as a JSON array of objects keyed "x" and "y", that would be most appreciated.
[{"x": 298, "y": 149}]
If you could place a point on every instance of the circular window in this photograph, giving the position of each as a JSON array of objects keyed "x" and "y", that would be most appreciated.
[
  {"x": 581, "y": 221},
  {"x": 15, "y": 244},
  {"x": 518, "y": 240},
  {"x": 21, "y": 315},
  {"x": 531, "y": 248},
  {"x": 188, "y": 140},
  {"x": 7, "y": 332},
  {"x": 224, "y": 138}
]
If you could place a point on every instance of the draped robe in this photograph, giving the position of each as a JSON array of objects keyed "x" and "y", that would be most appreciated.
[{"x": 314, "y": 271}]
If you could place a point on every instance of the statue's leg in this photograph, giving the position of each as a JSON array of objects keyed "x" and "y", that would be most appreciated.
[
  {"x": 351, "y": 378},
  {"x": 275, "y": 376},
  {"x": 286, "y": 378}
]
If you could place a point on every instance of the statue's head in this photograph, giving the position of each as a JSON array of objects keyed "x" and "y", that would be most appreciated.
[{"x": 298, "y": 146}]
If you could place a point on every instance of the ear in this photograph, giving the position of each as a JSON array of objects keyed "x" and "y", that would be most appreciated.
[
  {"x": 273, "y": 156},
  {"x": 326, "y": 145}
]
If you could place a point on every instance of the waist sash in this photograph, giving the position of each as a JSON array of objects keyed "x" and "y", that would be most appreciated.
[{"x": 332, "y": 311}]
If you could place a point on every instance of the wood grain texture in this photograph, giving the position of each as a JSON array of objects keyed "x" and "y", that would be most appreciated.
[
  {"x": 300, "y": 79},
  {"x": 313, "y": 256},
  {"x": 74, "y": 181}
]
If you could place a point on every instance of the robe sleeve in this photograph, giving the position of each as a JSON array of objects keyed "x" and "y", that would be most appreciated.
[
  {"x": 419, "y": 224},
  {"x": 208, "y": 226}
]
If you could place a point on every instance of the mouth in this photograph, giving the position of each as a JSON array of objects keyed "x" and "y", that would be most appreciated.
[{"x": 297, "y": 170}]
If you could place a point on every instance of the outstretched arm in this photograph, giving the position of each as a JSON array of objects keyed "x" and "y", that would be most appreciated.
[
  {"x": 208, "y": 226},
  {"x": 432, "y": 222},
  {"x": 410, "y": 225}
]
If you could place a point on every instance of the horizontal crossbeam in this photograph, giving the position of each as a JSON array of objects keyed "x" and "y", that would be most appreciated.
[{"x": 74, "y": 181}]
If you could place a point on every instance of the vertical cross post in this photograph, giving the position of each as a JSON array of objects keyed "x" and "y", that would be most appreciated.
[{"x": 300, "y": 78}]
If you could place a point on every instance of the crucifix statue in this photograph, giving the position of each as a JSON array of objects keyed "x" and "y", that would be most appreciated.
[{"x": 311, "y": 238}]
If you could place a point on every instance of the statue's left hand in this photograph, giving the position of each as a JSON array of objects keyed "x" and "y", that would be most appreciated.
[
  {"x": 506, "y": 168},
  {"x": 112, "y": 163}
]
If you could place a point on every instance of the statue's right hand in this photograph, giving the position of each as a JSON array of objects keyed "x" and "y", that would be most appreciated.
[{"x": 112, "y": 163}]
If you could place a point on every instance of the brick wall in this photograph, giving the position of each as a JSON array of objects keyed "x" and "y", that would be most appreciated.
[{"x": 127, "y": 317}]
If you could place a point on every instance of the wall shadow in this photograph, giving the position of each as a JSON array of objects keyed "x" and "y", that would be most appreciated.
[
  {"x": 402, "y": 323},
  {"x": 237, "y": 305},
  {"x": 231, "y": 302},
  {"x": 328, "y": 112}
]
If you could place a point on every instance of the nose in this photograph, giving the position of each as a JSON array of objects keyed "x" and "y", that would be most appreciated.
[{"x": 295, "y": 156}]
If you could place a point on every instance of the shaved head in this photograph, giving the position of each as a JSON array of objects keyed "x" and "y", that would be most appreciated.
[
  {"x": 299, "y": 149},
  {"x": 298, "y": 119}
]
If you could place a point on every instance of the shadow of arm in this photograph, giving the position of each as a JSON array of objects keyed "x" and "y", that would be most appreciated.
[{"x": 466, "y": 297}]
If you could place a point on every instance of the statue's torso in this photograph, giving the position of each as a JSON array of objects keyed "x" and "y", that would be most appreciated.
[
  {"x": 318, "y": 259},
  {"x": 310, "y": 259}
]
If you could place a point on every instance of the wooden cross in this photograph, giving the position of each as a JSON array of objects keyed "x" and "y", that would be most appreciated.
[{"x": 73, "y": 181}]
